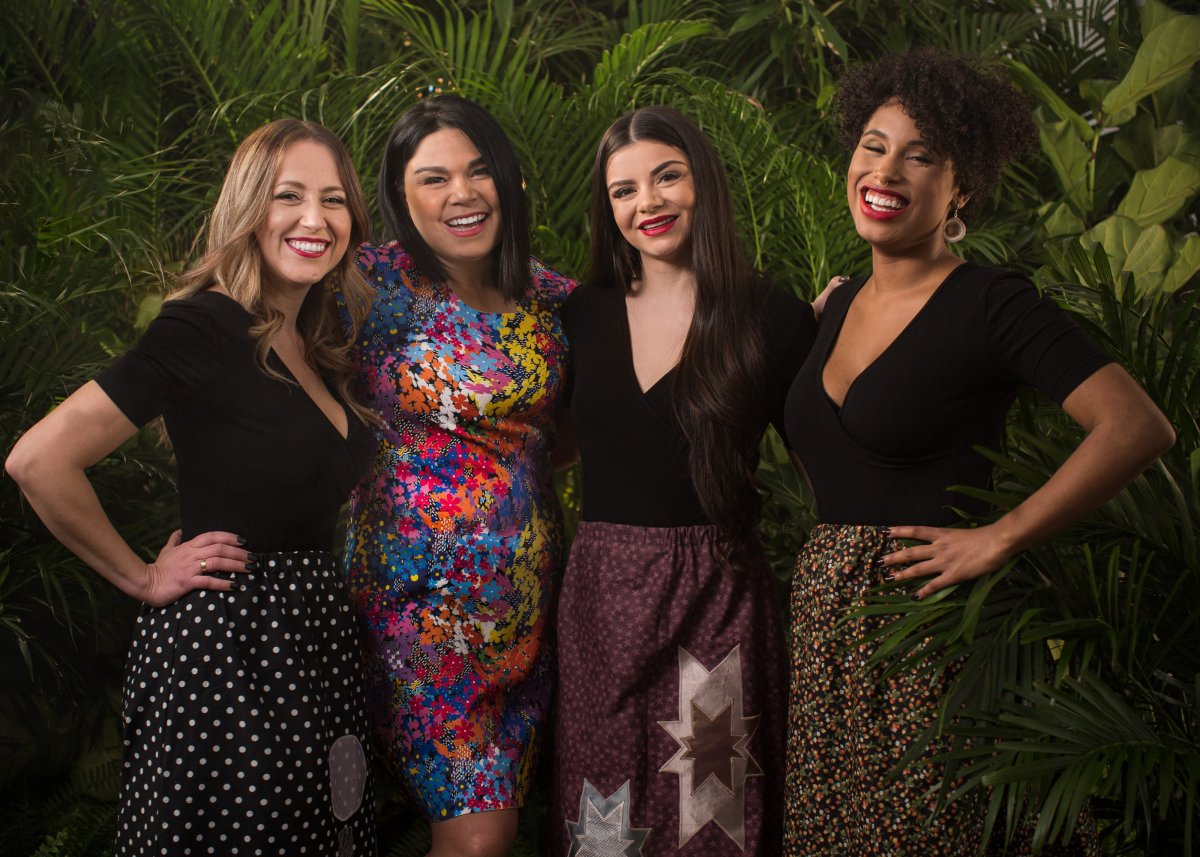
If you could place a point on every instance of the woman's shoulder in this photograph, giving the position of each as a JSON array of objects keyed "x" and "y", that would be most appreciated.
[
  {"x": 984, "y": 281},
  {"x": 384, "y": 261},
  {"x": 773, "y": 299},
  {"x": 547, "y": 284},
  {"x": 207, "y": 310},
  {"x": 784, "y": 317}
]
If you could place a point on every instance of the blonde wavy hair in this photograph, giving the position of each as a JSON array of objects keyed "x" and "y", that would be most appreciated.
[{"x": 232, "y": 258}]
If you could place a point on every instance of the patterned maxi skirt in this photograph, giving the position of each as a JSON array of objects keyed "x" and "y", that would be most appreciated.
[
  {"x": 244, "y": 720},
  {"x": 848, "y": 727},
  {"x": 669, "y": 733}
]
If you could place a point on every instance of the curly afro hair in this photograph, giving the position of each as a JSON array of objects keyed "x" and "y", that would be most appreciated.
[{"x": 964, "y": 107}]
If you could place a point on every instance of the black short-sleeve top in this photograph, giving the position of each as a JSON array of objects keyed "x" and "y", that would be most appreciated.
[
  {"x": 256, "y": 455},
  {"x": 634, "y": 450},
  {"x": 905, "y": 431}
]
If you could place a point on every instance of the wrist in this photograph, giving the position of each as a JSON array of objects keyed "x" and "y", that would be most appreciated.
[{"x": 1007, "y": 537}]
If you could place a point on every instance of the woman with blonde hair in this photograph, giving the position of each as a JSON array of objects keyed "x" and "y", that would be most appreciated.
[{"x": 243, "y": 709}]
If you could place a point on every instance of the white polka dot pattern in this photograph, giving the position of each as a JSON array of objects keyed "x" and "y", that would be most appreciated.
[{"x": 244, "y": 721}]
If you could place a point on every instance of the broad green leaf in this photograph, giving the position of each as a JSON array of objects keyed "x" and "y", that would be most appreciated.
[
  {"x": 1169, "y": 102},
  {"x": 1025, "y": 78},
  {"x": 1070, "y": 157},
  {"x": 1167, "y": 54},
  {"x": 147, "y": 311},
  {"x": 1135, "y": 142},
  {"x": 1158, "y": 194},
  {"x": 1185, "y": 266},
  {"x": 1116, "y": 235},
  {"x": 752, "y": 18},
  {"x": 1154, "y": 13},
  {"x": 1060, "y": 220},
  {"x": 1175, "y": 140},
  {"x": 1149, "y": 258},
  {"x": 1094, "y": 92}
]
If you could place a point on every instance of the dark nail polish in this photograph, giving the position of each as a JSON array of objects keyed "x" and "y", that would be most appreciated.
[
  {"x": 241, "y": 540},
  {"x": 234, "y": 587},
  {"x": 889, "y": 576},
  {"x": 916, "y": 597},
  {"x": 251, "y": 556},
  {"x": 251, "y": 566}
]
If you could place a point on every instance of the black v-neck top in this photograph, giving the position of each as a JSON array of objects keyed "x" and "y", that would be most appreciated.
[
  {"x": 635, "y": 454},
  {"x": 908, "y": 422},
  {"x": 256, "y": 455}
]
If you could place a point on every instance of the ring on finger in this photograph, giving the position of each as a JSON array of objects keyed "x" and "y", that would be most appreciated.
[{"x": 204, "y": 566}]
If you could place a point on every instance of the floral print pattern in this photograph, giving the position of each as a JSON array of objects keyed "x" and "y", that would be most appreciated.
[
  {"x": 849, "y": 726},
  {"x": 455, "y": 535}
]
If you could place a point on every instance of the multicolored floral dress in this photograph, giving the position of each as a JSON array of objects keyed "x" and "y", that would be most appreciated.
[{"x": 455, "y": 535}]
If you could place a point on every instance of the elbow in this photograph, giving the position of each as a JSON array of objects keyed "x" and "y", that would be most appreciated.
[
  {"x": 1163, "y": 434},
  {"x": 1153, "y": 434},
  {"x": 27, "y": 464},
  {"x": 19, "y": 464}
]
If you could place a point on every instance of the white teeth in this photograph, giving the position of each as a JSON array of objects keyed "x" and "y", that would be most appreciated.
[
  {"x": 308, "y": 246},
  {"x": 878, "y": 200},
  {"x": 466, "y": 221}
]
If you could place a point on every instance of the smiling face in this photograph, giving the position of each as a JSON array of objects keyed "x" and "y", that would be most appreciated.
[
  {"x": 900, "y": 190},
  {"x": 307, "y": 228},
  {"x": 653, "y": 199},
  {"x": 452, "y": 199}
]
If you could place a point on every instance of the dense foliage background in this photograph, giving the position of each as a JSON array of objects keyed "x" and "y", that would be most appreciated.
[{"x": 118, "y": 119}]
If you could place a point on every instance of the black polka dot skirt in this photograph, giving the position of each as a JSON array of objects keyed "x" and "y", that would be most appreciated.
[{"x": 245, "y": 728}]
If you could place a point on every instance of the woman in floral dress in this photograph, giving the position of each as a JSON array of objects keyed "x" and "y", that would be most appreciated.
[{"x": 455, "y": 533}]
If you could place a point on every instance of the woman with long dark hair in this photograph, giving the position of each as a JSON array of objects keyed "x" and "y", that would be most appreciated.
[
  {"x": 244, "y": 716},
  {"x": 915, "y": 368},
  {"x": 671, "y": 690},
  {"x": 455, "y": 534}
]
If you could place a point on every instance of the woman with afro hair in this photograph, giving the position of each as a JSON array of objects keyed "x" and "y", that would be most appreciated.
[{"x": 915, "y": 366}]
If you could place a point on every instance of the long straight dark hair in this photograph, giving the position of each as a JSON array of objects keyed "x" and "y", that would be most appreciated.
[
  {"x": 719, "y": 389},
  {"x": 510, "y": 258}
]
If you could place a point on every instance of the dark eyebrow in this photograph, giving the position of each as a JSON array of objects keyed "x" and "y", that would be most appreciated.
[
  {"x": 478, "y": 162},
  {"x": 666, "y": 164},
  {"x": 653, "y": 172},
  {"x": 303, "y": 186},
  {"x": 875, "y": 132}
]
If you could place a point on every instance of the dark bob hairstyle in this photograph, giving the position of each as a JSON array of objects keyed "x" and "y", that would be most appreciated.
[
  {"x": 963, "y": 105},
  {"x": 510, "y": 259}
]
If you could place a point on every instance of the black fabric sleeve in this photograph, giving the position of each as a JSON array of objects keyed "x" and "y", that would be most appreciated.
[
  {"x": 789, "y": 329},
  {"x": 181, "y": 349},
  {"x": 576, "y": 311},
  {"x": 1031, "y": 340}
]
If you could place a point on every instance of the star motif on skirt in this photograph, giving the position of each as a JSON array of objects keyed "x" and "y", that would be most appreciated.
[
  {"x": 712, "y": 747},
  {"x": 713, "y": 760},
  {"x": 603, "y": 828}
]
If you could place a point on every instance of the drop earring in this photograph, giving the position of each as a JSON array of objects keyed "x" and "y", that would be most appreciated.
[{"x": 954, "y": 230}]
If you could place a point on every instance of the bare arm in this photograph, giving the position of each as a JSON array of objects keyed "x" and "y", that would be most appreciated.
[
  {"x": 1125, "y": 433},
  {"x": 48, "y": 463}
]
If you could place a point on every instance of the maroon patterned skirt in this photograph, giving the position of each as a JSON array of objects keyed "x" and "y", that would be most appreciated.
[
  {"x": 669, "y": 733},
  {"x": 848, "y": 726}
]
